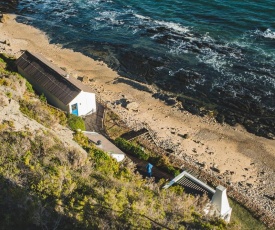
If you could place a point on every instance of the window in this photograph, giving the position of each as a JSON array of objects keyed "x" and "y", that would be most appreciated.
[{"x": 74, "y": 106}]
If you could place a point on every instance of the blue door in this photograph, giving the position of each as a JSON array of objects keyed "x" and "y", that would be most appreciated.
[{"x": 74, "y": 109}]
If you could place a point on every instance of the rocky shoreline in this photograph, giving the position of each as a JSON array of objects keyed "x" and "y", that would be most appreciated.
[
  {"x": 258, "y": 198},
  {"x": 228, "y": 110}
]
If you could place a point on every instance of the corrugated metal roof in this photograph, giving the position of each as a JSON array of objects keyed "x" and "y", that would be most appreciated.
[{"x": 50, "y": 77}]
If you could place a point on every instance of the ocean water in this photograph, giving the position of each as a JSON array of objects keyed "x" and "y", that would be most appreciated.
[{"x": 217, "y": 52}]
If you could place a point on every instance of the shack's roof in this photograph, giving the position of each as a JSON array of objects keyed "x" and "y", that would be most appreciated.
[
  {"x": 191, "y": 184},
  {"x": 50, "y": 77}
]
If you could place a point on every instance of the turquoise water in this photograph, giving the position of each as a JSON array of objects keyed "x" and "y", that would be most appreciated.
[{"x": 219, "y": 52}]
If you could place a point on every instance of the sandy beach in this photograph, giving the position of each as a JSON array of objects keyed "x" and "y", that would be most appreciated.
[{"x": 243, "y": 159}]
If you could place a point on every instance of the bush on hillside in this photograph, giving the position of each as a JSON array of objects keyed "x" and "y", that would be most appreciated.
[
  {"x": 76, "y": 122},
  {"x": 161, "y": 162},
  {"x": 29, "y": 87},
  {"x": 131, "y": 149}
]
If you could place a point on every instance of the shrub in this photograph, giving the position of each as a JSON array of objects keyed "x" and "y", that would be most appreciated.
[
  {"x": 61, "y": 115},
  {"x": 76, "y": 122},
  {"x": 4, "y": 82},
  {"x": 43, "y": 98},
  {"x": 9, "y": 94},
  {"x": 39, "y": 112},
  {"x": 29, "y": 87},
  {"x": 161, "y": 162},
  {"x": 131, "y": 149}
]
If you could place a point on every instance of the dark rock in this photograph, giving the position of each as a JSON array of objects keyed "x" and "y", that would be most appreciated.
[
  {"x": 215, "y": 169},
  {"x": 270, "y": 197},
  {"x": 161, "y": 96},
  {"x": 170, "y": 101},
  {"x": 256, "y": 108},
  {"x": 181, "y": 99},
  {"x": 169, "y": 150},
  {"x": 238, "y": 105},
  {"x": 240, "y": 184},
  {"x": 251, "y": 126},
  {"x": 185, "y": 136},
  {"x": 230, "y": 119},
  {"x": 186, "y": 76},
  {"x": 192, "y": 109},
  {"x": 220, "y": 118}
]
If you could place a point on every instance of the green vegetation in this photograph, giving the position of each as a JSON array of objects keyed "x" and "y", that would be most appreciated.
[
  {"x": 130, "y": 148},
  {"x": 50, "y": 185},
  {"x": 29, "y": 87},
  {"x": 42, "y": 113},
  {"x": 243, "y": 217},
  {"x": 9, "y": 94},
  {"x": 7, "y": 63},
  {"x": 113, "y": 125},
  {"x": 134, "y": 149},
  {"x": 43, "y": 98},
  {"x": 36, "y": 108},
  {"x": 76, "y": 123}
]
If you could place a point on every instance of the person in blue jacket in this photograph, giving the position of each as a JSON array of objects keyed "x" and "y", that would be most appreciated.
[{"x": 149, "y": 169}]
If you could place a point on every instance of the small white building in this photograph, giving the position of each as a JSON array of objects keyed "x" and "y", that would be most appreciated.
[
  {"x": 61, "y": 90},
  {"x": 107, "y": 146},
  {"x": 219, "y": 205}
]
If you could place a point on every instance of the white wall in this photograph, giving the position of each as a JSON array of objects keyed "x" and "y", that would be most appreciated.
[
  {"x": 86, "y": 103},
  {"x": 220, "y": 201}
]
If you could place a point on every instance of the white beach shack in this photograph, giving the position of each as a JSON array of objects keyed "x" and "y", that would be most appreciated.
[
  {"x": 104, "y": 144},
  {"x": 61, "y": 90},
  {"x": 219, "y": 205}
]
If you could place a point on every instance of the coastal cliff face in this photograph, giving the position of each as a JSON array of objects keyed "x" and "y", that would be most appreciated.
[{"x": 8, "y": 5}]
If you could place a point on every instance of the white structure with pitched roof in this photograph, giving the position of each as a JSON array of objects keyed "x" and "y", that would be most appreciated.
[
  {"x": 60, "y": 89},
  {"x": 221, "y": 204},
  {"x": 218, "y": 206}
]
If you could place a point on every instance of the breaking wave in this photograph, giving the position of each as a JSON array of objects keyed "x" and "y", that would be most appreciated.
[{"x": 268, "y": 33}]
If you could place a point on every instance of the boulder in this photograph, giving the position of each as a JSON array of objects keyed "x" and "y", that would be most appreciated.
[{"x": 132, "y": 106}]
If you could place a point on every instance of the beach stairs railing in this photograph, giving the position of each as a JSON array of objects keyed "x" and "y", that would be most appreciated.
[
  {"x": 151, "y": 135},
  {"x": 94, "y": 121},
  {"x": 144, "y": 131},
  {"x": 100, "y": 115},
  {"x": 149, "y": 138}
]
